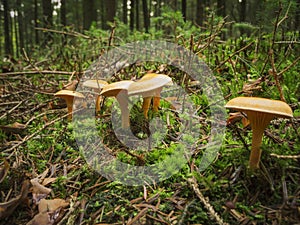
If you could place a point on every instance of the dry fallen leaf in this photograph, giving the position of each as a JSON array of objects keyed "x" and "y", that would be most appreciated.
[
  {"x": 44, "y": 218},
  {"x": 236, "y": 117},
  {"x": 7, "y": 208},
  {"x": 71, "y": 86},
  {"x": 46, "y": 205},
  {"x": 38, "y": 191},
  {"x": 4, "y": 170},
  {"x": 50, "y": 212},
  {"x": 15, "y": 128}
]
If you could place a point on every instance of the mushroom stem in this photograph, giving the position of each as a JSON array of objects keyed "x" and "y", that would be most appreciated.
[
  {"x": 98, "y": 102},
  {"x": 255, "y": 154},
  {"x": 122, "y": 98},
  {"x": 259, "y": 121},
  {"x": 70, "y": 109},
  {"x": 146, "y": 105},
  {"x": 156, "y": 99}
]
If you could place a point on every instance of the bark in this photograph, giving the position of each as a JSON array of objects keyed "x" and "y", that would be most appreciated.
[
  {"x": 125, "y": 12},
  {"x": 183, "y": 9},
  {"x": 146, "y": 16},
  {"x": 7, "y": 37},
  {"x": 63, "y": 18},
  {"x": 137, "y": 15},
  {"x": 47, "y": 19},
  {"x": 132, "y": 5},
  {"x": 110, "y": 8},
  {"x": 89, "y": 13},
  {"x": 200, "y": 12}
]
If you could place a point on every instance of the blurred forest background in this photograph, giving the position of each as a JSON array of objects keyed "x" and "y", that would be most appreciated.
[{"x": 24, "y": 22}]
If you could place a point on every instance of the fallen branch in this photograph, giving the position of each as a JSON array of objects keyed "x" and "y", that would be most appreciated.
[
  {"x": 214, "y": 215},
  {"x": 37, "y": 72}
]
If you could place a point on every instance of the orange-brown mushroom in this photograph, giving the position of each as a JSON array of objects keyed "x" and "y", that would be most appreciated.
[
  {"x": 97, "y": 86},
  {"x": 119, "y": 90},
  {"x": 68, "y": 96},
  {"x": 149, "y": 86},
  {"x": 260, "y": 111}
]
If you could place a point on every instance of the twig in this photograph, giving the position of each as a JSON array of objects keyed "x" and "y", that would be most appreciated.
[
  {"x": 274, "y": 73},
  {"x": 75, "y": 34},
  {"x": 285, "y": 156},
  {"x": 39, "y": 72},
  {"x": 233, "y": 54},
  {"x": 12, "y": 109},
  {"x": 289, "y": 66},
  {"x": 214, "y": 215}
]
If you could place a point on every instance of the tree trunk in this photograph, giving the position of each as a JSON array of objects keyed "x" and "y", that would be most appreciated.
[
  {"x": 183, "y": 9},
  {"x": 125, "y": 12},
  {"x": 110, "y": 7},
  {"x": 200, "y": 12},
  {"x": 36, "y": 21},
  {"x": 137, "y": 15},
  {"x": 132, "y": 7},
  {"x": 20, "y": 25},
  {"x": 63, "y": 18},
  {"x": 243, "y": 11},
  {"x": 89, "y": 13},
  {"x": 221, "y": 8},
  {"x": 7, "y": 37},
  {"x": 47, "y": 19},
  {"x": 146, "y": 16},
  {"x": 297, "y": 17}
]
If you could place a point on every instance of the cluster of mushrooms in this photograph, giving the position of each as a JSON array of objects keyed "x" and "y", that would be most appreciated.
[
  {"x": 149, "y": 87},
  {"x": 259, "y": 111}
]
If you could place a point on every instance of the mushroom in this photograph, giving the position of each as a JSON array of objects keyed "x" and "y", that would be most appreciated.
[
  {"x": 68, "y": 96},
  {"x": 260, "y": 111},
  {"x": 150, "y": 85},
  {"x": 97, "y": 86},
  {"x": 119, "y": 90}
]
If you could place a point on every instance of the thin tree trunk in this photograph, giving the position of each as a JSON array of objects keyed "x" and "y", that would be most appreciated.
[
  {"x": 36, "y": 18},
  {"x": 243, "y": 11},
  {"x": 146, "y": 16},
  {"x": 221, "y": 8},
  {"x": 200, "y": 12},
  {"x": 132, "y": 5},
  {"x": 297, "y": 17},
  {"x": 21, "y": 25},
  {"x": 47, "y": 19},
  {"x": 89, "y": 13},
  {"x": 125, "y": 12},
  {"x": 63, "y": 18},
  {"x": 183, "y": 9},
  {"x": 137, "y": 15},
  {"x": 7, "y": 37},
  {"x": 110, "y": 7}
]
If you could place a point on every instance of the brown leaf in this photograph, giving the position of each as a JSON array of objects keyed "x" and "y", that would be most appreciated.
[
  {"x": 236, "y": 117},
  {"x": 7, "y": 208},
  {"x": 4, "y": 170},
  {"x": 252, "y": 86},
  {"x": 45, "y": 218},
  {"x": 49, "y": 180},
  {"x": 52, "y": 204},
  {"x": 38, "y": 191},
  {"x": 71, "y": 85},
  {"x": 15, "y": 128}
]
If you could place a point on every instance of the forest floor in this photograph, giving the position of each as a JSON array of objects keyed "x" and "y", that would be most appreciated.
[{"x": 45, "y": 177}]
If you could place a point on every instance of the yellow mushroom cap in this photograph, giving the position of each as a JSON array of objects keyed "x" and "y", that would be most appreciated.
[
  {"x": 264, "y": 105},
  {"x": 148, "y": 83},
  {"x": 96, "y": 84},
  {"x": 113, "y": 89},
  {"x": 68, "y": 93}
]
